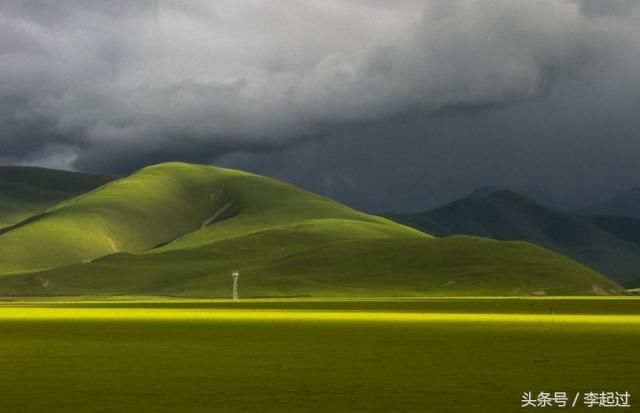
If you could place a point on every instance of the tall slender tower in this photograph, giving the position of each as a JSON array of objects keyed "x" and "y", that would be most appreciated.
[{"x": 235, "y": 275}]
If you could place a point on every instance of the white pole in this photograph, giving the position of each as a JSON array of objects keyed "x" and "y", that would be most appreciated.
[{"x": 235, "y": 275}]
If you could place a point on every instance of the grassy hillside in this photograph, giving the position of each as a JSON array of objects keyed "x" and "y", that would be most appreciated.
[
  {"x": 181, "y": 229},
  {"x": 290, "y": 263},
  {"x": 509, "y": 216},
  {"x": 160, "y": 204},
  {"x": 25, "y": 191}
]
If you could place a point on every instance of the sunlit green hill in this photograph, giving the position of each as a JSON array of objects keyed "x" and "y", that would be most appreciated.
[
  {"x": 181, "y": 205},
  {"x": 180, "y": 229}
]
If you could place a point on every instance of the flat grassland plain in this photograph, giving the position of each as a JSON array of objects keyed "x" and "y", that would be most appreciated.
[{"x": 299, "y": 355}]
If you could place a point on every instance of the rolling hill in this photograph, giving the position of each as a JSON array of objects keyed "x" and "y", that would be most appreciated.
[
  {"x": 181, "y": 229},
  {"x": 25, "y": 191},
  {"x": 603, "y": 243}
]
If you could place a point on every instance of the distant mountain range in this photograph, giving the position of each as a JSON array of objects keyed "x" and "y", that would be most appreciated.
[
  {"x": 181, "y": 229},
  {"x": 608, "y": 244},
  {"x": 533, "y": 192},
  {"x": 624, "y": 205}
]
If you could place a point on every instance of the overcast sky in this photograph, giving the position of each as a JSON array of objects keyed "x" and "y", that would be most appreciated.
[{"x": 383, "y": 105}]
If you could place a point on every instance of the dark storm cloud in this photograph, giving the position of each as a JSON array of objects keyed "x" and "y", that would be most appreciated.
[{"x": 110, "y": 86}]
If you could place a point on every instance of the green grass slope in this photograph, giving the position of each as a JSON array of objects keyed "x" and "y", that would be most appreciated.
[
  {"x": 506, "y": 215},
  {"x": 26, "y": 191},
  {"x": 291, "y": 262},
  {"x": 180, "y": 229},
  {"x": 160, "y": 204}
]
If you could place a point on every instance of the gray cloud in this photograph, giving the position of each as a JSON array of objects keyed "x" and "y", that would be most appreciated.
[{"x": 110, "y": 86}]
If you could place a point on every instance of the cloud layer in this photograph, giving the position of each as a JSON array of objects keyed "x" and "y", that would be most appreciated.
[{"x": 110, "y": 86}]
